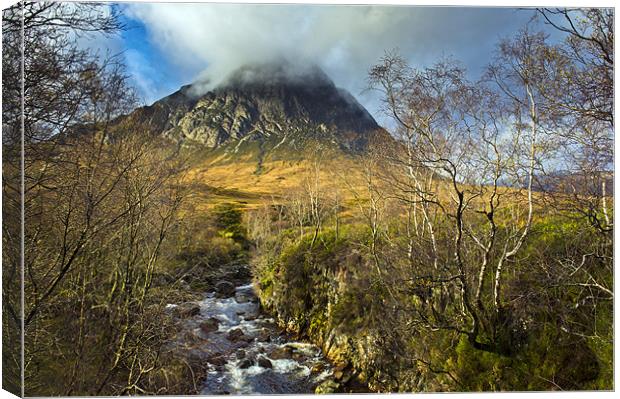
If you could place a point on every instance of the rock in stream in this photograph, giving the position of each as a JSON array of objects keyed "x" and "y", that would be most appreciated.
[{"x": 246, "y": 353}]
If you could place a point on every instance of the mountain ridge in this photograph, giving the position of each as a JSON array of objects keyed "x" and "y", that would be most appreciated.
[{"x": 260, "y": 102}]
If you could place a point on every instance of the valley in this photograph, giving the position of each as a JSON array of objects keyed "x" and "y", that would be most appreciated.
[{"x": 257, "y": 231}]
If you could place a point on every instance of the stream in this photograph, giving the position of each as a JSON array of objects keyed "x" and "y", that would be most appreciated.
[{"x": 245, "y": 352}]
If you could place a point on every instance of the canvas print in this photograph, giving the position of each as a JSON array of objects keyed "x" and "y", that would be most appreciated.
[{"x": 210, "y": 199}]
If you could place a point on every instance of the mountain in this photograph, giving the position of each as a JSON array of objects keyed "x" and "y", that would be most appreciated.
[{"x": 266, "y": 105}]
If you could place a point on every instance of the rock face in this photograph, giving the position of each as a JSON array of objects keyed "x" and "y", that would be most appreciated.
[{"x": 258, "y": 103}]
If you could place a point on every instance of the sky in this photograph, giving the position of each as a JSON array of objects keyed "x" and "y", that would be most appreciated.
[{"x": 169, "y": 45}]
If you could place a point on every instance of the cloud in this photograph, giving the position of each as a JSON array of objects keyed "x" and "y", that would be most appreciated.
[
  {"x": 142, "y": 73},
  {"x": 345, "y": 41}
]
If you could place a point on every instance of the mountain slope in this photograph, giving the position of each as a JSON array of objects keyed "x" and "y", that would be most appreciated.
[
  {"x": 256, "y": 137},
  {"x": 266, "y": 103}
]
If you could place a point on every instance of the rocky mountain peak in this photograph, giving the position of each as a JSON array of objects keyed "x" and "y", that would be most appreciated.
[{"x": 263, "y": 102}]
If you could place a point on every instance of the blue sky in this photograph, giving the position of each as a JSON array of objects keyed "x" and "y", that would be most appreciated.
[
  {"x": 151, "y": 70},
  {"x": 169, "y": 45}
]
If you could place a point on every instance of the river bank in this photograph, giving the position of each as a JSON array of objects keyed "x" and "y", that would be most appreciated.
[{"x": 241, "y": 350}]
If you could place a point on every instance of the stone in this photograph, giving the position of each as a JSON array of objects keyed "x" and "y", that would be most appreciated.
[
  {"x": 244, "y": 364},
  {"x": 264, "y": 362},
  {"x": 242, "y": 298},
  {"x": 187, "y": 309},
  {"x": 264, "y": 336},
  {"x": 217, "y": 360},
  {"x": 210, "y": 325},
  {"x": 241, "y": 354},
  {"x": 224, "y": 289},
  {"x": 236, "y": 334},
  {"x": 281, "y": 352},
  {"x": 317, "y": 368}
]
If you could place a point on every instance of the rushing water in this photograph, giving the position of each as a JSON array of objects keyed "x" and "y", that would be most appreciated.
[{"x": 246, "y": 353}]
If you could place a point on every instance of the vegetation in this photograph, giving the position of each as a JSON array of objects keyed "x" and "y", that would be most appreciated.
[
  {"x": 480, "y": 253},
  {"x": 109, "y": 232},
  {"x": 474, "y": 251}
]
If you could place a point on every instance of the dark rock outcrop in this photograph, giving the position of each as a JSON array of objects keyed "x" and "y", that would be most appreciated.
[{"x": 275, "y": 103}]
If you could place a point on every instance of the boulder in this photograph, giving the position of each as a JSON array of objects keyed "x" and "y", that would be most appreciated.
[
  {"x": 241, "y": 297},
  {"x": 224, "y": 289},
  {"x": 317, "y": 368},
  {"x": 281, "y": 352},
  {"x": 263, "y": 335},
  {"x": 264, "y": 362},
  {"x": 187, "y": 309},
  {"x": 217, "y": 360},
  {"x": 244, "y": 364},
  {"x": 210, "y": 325},
  {"x": 236, "y": 334}
]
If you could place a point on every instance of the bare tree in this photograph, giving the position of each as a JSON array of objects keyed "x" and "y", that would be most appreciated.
[{"x": 99, "y": 198}]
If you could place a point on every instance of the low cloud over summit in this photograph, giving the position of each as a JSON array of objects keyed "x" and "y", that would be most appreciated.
[{"x": 214, "y": 39}]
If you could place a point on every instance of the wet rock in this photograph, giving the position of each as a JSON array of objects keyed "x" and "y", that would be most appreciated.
[
  {"x": 210, "y": 325},
  {"x": 224, "y": 289},
  {"x": 241, "y": 354},
  {"x": 187, "y": 309},
  {"x": 281, "y": 352},
  {"x": 264, "y": 362},
  {"x": 317, "y": 368},
  {"x": 326, "y": 387},
  {"x": 241, "y": 297},
  {"x": 264, "y": 336},
  {"x": 299, "y": 357},
  {"x": 244, "y": 364},
  {"x": 235, "y": 335},
  {"x": 217, "y": 360}
]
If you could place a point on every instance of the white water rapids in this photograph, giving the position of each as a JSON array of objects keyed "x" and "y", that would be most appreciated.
[{"x": 258, "y": 359}]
